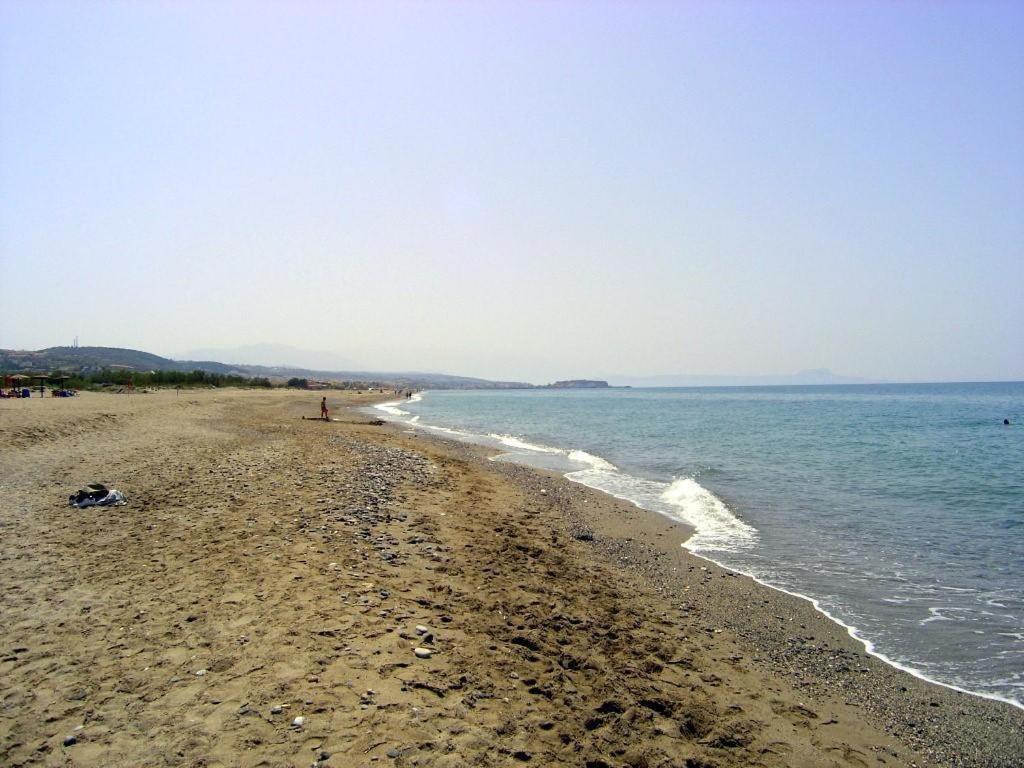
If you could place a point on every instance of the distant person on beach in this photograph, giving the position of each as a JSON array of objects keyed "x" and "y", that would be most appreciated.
[{"x": 323, "y": 409}]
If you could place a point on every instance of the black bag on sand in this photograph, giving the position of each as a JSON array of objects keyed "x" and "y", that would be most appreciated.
[{"x": 92, "y": 492}]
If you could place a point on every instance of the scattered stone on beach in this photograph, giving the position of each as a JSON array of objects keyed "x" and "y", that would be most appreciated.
[
  {"x": 591, "y": 648},
  {"x": 70, "y": 741}
]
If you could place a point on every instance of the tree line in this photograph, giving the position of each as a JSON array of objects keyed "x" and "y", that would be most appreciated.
[
  {"x": 298, "y": 383},
  {"x": 126, "y": 378},
  {"x": 123, "y": 378}
]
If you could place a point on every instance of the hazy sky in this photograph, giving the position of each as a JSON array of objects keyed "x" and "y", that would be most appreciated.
[{"x": 522, "y": 190}]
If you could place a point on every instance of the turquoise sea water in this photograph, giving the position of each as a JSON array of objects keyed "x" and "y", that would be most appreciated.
[{"x": 899, "y": 509}]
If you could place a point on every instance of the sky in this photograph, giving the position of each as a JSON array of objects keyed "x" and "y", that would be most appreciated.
[{"x": 524, "y": 190}]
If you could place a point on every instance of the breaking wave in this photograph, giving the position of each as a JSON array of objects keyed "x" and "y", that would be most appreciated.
[{"x": 684, "y": 500}]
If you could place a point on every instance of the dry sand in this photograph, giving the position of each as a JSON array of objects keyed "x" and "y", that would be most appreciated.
[{"x": 269, "y": 568}]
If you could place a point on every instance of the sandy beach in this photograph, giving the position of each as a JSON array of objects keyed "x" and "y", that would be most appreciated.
[{"x": 282, "y": 591}]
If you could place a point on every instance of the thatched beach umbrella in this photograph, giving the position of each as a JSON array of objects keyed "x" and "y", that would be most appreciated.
[
  {"x": 15, "y": 381},
  {"x": 42, "y": 378}
]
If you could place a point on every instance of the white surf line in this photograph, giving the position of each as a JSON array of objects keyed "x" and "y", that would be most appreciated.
[{"x": 852, "y": 631}]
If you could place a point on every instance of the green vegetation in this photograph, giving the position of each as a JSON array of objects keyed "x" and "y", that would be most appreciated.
[
  {"x": 298, "y": 383},
  {"x": 97, "y": 379}
]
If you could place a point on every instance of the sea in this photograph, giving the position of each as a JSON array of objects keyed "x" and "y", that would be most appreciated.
[{"x": 898, "y": 510}]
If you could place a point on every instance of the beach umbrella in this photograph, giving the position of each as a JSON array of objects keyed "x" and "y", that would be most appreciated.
[
  {"x": 15, "y": 380},
  {"x": 60, "y": 378},
  {"x": 41, "y": 378}
]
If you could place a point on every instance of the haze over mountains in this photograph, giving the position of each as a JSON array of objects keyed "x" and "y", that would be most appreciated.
[
  {"x": 274, "y": 355},
  {"x": 279, "y": 361},
  {"x": 811, "y": 376},
  {"x": 89, "y": 359}
]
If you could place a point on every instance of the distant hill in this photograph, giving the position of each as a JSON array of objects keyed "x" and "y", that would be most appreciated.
[
  {"x": 398, "y": 379},
  {"x": 577, "y": 384},
  {"x": 87, "y": 359},
  {"x": 90, "y": 359},
  {"x": 275, "y": 356}
]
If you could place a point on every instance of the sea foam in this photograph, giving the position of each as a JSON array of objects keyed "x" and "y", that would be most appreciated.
[
  {"x": 594, "y": 462},
  {"x": 684, "y": 500},
  {"x": 512, "y": 441},
  {"x": 716, "y": 528},
  {"x": 391, "y": 408}
]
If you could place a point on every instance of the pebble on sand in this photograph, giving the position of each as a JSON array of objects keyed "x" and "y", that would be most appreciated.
[
  {"x": 423, "y": 653},
  {"x": 298, "y": 722}
]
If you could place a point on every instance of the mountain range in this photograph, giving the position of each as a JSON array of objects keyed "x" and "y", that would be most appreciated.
[
  {"x": 274, "y": 356},
  {"x": 258, "y": 361},
  {"x": 87, "y": 359}
]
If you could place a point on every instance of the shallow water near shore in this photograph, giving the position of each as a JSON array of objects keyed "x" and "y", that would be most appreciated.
[{"x": 898, "y": 509}]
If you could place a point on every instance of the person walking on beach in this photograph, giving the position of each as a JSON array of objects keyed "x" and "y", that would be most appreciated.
[{"x": 323, "y": 409}]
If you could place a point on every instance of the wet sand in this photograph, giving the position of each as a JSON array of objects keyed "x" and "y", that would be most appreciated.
[{"x": 269, "y": 568}]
